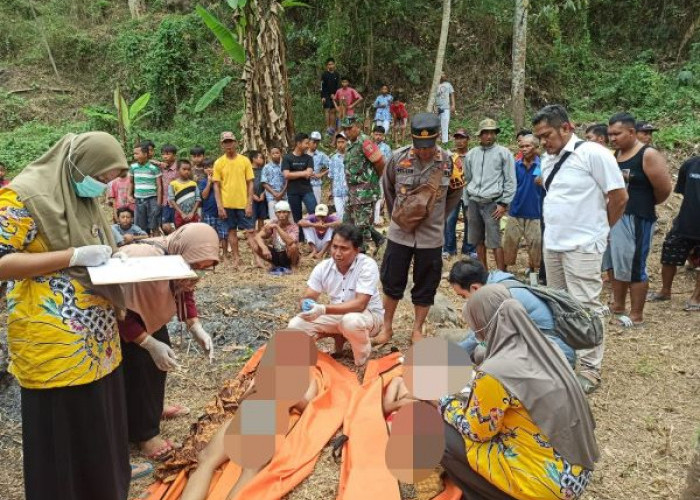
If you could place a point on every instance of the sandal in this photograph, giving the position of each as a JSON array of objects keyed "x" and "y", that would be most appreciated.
[
  {"x": 657, "y": 297},
  {"x": 624, "y": 321},
  {"x": 588, "y": 385},
  {"x": 174, "y": 411},
  {"x": 691, "y": 307},
  {"x": 141, "y": 469},
  {"x": 161, "y": 453}
]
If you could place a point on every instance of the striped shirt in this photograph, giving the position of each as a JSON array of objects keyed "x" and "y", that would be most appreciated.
[
  {"x": 146, "y": 178},
  {"x": 184, "y": 194}
]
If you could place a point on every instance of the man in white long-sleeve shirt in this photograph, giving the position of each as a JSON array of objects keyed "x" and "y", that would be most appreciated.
[{"x": 489, "y": 171}]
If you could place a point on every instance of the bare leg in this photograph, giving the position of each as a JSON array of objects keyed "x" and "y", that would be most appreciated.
[
  {"x": 210, "y": 458},
  {"x": 500, "y": 260},
  {"x": 388, "y": 329},
  {"x": 420, "y": 313},
  {"x": 667, "y": 275},
  {"x": 638, "y": 297},
  {"x": 233, "y": 243},
  {"x": 481, "y": 254},
  {"x": 294, "y": 255},
  {"x": 695, "y": 298},
  {"x": 619, "y": 296},
  {"x": 250, "y": 236}
]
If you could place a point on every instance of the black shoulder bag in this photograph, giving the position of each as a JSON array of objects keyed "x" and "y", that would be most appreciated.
[{"x": 558, "y": 165}]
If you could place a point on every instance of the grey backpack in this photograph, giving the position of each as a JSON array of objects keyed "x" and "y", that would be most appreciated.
[{"x": 575, "y": 324}]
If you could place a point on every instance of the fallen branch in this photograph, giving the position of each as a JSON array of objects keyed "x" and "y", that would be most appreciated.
[{"x": 36, "y": 89}]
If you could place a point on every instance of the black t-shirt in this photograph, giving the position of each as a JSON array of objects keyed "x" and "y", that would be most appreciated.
[
  {"x": 295, "y": 163},
  {"x": 688, "y": 185},
  {"x": 330, "y": 82}
]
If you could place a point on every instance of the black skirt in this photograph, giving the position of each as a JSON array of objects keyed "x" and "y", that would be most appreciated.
[
  {"x": 145, "y": 389},
  {"x": 75, "y": 441}
]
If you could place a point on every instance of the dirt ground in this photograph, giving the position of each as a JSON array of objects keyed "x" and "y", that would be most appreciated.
[{"x": 647, "y": 408}]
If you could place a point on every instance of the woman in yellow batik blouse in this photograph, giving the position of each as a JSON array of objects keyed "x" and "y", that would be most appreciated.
[
  {"x": 526, "y": 427},
  {"x": 62, "y": 331}
]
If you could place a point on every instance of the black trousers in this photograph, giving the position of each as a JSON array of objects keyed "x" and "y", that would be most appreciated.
[
  {"x": 75, "y": 441},
  {"x": 473, "y": 485},
  {"x": 427, "y": 272},
  {"x": 145, "y": 389},
  {"x": 295, "y": 201}
]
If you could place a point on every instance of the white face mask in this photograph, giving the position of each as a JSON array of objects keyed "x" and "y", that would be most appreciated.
[
  {"x": 89, "y": 187},
  {"x": 486, "y": 326}
]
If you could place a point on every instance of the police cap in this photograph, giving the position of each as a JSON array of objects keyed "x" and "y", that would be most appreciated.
[{"x": 424, "y": 129}]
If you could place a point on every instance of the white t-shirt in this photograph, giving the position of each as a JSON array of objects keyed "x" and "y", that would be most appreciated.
[
  {"x": 575, "y": 208},
  {"x": 362, "y": 277},
  {"x": 442, "y": 97}
]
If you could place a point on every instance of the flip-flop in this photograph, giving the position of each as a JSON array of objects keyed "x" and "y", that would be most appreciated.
[
  {"x": 161, "y": 453},
  {"x": 624, "y": 321},
  {"x": 657, "y": 297},
  {"x": 587, "y": 384},
  {"x": 141, "y": 469},
  {"x": 174, "y": 411},
  {"x": 691, "y": 307}
]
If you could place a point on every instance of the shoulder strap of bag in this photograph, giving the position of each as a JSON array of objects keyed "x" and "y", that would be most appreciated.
[{"x": 558, "y": 165}]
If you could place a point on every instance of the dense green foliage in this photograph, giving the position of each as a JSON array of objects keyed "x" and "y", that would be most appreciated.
[{"x": 594, "y": 56}]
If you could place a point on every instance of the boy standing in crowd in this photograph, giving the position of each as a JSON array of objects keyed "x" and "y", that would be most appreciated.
[
  {"x": 330, "y": 83},
  {"x": 119, "y": 192},
  {"x": 233, "y": 187},
  {"x": 146, "y": 190},
  {"x": 210, "y": 211},
  {"x": 298, "y": 168},
  {"x": 170, "y": 172},
  {"x": 336, "y": 174},
  {"x": 259, "y": 203},
  {"x": 346, "y": 98},
  {"x": 445, "y": 104},
  {"x": 382, "y": 104},
  {"x": 197, "y": 160},
  {"x": 321, "y": 162},
  {"x": 273, "y": 182},
  {"x": 184, "y": 196}
]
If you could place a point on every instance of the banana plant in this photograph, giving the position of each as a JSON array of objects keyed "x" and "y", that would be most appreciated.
[
  {"x": 125, "y": 116},
  {"x": 232, "y": 43}
]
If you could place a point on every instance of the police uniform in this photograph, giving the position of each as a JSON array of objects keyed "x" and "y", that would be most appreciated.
[{"x": 423, "y": 246}]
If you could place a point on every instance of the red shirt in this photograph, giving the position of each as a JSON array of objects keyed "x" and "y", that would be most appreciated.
[
  {"x": 119, "y": 191},
  {"x": 169, "y": 175},
  {"x": 398, "y": 110},
  {"x": 348, "y": 95}
]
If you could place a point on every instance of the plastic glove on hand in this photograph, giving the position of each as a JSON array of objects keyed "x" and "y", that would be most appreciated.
[
  {"x": 90, "y": 255},
  {"x": 163, "y": 356},
  {"x": 203, "y": 339},
  {"x": 313, "y": 313}
]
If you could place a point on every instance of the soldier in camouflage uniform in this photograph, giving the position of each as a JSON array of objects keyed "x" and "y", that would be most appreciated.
[{"x": 364, "y": 165}]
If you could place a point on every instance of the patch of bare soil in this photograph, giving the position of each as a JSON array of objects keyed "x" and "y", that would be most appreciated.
[{"x": 646, "y": 409}]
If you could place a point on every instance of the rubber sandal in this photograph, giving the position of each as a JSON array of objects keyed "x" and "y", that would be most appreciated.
[
  {"x": 174, "y": 411},
  {"x": 161, "y": 453},
  {"x": 691, "y": 307},
  {"x": 657, "y": 297},
  {"x": 141, "y": 469},
  {"x": 624, "y": 321}
]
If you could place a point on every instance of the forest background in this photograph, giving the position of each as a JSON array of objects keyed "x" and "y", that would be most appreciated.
[{"x": 594, "y": 56}]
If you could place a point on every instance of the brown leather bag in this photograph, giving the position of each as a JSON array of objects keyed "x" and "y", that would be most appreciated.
[{"x": 413, "y": 207}]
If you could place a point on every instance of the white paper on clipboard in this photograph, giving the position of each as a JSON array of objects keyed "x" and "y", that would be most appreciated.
[{"x": 138, "y": 269}]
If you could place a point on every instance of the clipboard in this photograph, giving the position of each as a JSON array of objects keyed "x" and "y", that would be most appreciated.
[{"x": 140, "y": 269}]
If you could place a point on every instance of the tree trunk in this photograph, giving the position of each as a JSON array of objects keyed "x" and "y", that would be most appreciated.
[
  {"x": 440, "y": 58},
  {"x": 519, "y": 56},
  {"x": 137, "y": 8},
  {"x": 267, "y": 121},
  {"x": 43, "y": 38}
]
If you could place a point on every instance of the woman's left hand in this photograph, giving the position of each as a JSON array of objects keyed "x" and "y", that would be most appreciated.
[{"x": 203, "y": 339}]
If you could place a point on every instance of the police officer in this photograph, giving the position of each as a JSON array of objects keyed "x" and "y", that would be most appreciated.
[
  {"x": 364, "y": 165},
  {"x": 416, "y": 176}
]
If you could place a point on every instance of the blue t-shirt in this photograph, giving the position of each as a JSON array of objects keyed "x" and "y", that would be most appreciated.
[
  {"x": 209, "y": 206},
  {"x": 527, "y": 203}
]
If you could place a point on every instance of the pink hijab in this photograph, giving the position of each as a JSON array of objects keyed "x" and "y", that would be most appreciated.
[{"x": 154, "y": 300}]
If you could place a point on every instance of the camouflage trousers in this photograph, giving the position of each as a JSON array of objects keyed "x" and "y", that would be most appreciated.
[{"x": 361, "y": 215}]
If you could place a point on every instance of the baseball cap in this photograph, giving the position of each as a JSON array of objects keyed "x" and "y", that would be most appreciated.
[
  {"x": 340, "y": 134},
  {"x": 488, "y": 124},
  {"x": 461, "y": 132},
  {"x": 321, "y": 210},
  {"x": 282, "y": 206},
  {"x": 645, "y": 127},
  {"x": 227, "y": 136},
  {"x": 315, "y": 136}
]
